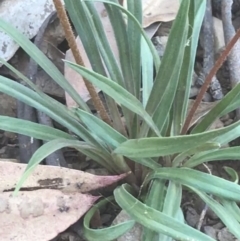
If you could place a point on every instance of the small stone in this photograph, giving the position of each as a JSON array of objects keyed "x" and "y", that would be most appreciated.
[
  {"x": 225, "y": 235},
  {"x": 210, "y": 231}
]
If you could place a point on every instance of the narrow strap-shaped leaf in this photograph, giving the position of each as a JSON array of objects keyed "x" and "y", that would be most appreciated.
[
  {"x": 134, "y": 43},
  {"x": 106, "y": 234},
  {"x": 231, "y": 207},
  {"x": 109, "y": 136},
  {"x": 163, "y": 146},
  {"x": 172, "y": 204},
  {"x": 48, "y": 149},
  {"x": 31, "y": 98},
  {"x": 217, "y": 110},
  {"x": 202, "y": 181},
  {"x": 227, "y": 218},
  {"x": 114, "y": 90},
  {"x": 121, "y": 36},
  {"x": 108, "y": 58},
  {"x": 155, "y": 199},
  {"x": 35, "y": 88},
  {"x": 232, "y": 173},
  {"x": 205, "y": 147},
  {"x": 120, "y": 32},
  {"x": 42, "y": 61},
  {"x": 147, "y": 72},
  {"x": 81, "y": 21},
  {"x": 195, "y": 15},
  {"x": 138, "y": 25},
  {"x": 229, "y": 153},
  {"x": 28, "y": 128},
  {"x": 104, "y": 46},
  {"x": 155, "y": 220},
  {"x": 166, "y": 82},
  {"x": 104, "y": 132}
]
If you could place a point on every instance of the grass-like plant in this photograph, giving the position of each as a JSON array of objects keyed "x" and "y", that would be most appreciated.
[{"x": 160, "y": 158}]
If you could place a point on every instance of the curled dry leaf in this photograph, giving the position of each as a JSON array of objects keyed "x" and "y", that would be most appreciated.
[{"x": 51, "y": 199}]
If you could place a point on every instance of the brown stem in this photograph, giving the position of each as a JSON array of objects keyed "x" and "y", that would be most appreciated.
[
  {"x": 204, "y": 88},
  {"x": 73, "y": 46}
]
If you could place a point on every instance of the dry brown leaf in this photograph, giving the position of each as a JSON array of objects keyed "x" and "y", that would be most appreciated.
[
  {"x": 51, "y": 199},
  {"x": 158, "y": 11},
  {"x": 41, "y": 214},
  {"x": 152, "y": 29},
  {"x": 202, "y": 110},
  {"x": 74, "y": 78},
  {"x": 68, "y": 180}
]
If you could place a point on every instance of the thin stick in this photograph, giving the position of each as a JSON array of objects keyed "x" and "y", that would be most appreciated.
[
  {"x": 204, "y": 88},
  {"x": 77, "y": 56}
]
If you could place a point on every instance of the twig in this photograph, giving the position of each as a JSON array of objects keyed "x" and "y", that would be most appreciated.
[
  {"x": 77, "y": 56},
  {"x": 207, "y": 35},
  {"x": 213, "y": 71},
  {"x": 234, "y": 56}
]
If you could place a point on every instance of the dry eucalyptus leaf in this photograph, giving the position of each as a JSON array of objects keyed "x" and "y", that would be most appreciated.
[
  {"x": 202, "y": 110},
  {"x": 152, "y": 29},
  {"x": 68, "y": 180},
  {"x": 158, "y": 11},
  {"x": 74, "y": 78},
  {"x": 51, "y": 199},
  {"x": 40, "y": 215}
]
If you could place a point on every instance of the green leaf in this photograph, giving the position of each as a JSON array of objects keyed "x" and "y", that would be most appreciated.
[
  {"x": 114, "y": 3},
  {"x": 61, "y": 115},
  {"x": 229, "y": 153},
  {"x": 48, "y": 149},
  {"x": 195, "y": 15},
  {"x": 163, "y": 146},
  {"x": 147, "y": 72},
  {"x": 28, "y": 128},
  {"x": 155, "y": 220},
  {"x": 227, "y": 218},
  {"x": 89, "y": 28},
  {"x": 173, "y": 199},
  {"x": 178, "y": 160},
  {"x": 109, "y": 233},
  {"x": 218, "y": 110},
  {"x": 172, "y": 204},
  {"x": 22, "y": 77},
  {"x": 199, "y": 180},
  {"x": 165, "y": 84},
  {"x": 114, "y": 90},
  {"x": 232, "y": 208},
  {"x": 102, "y": 130},
  {"x": 155, "y": 200},
  {"x": 121, "y": 36},
  {"x": 148, "y": 162},
  {"x": 134, "y": 44},
  {"x": 42, "y": 61},
  {"x": 232, "y": 173}
]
